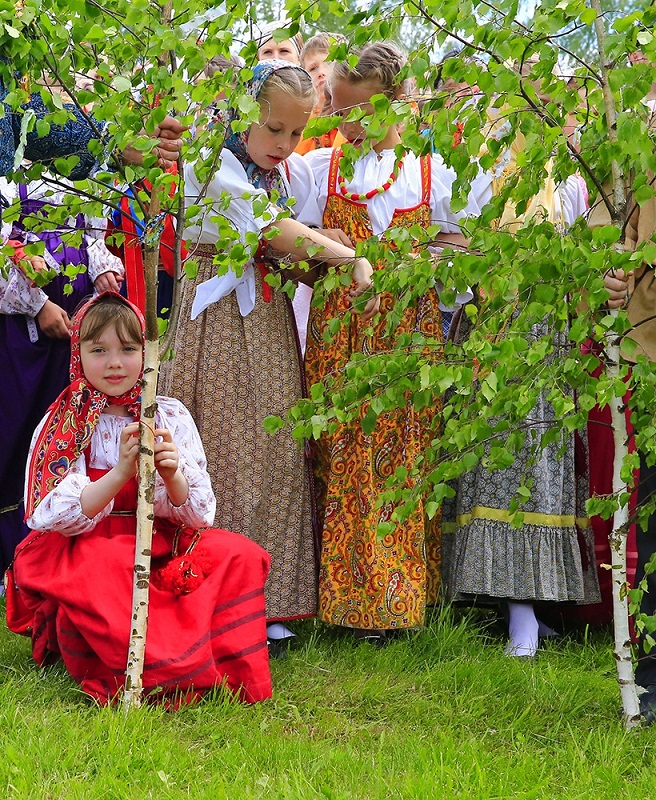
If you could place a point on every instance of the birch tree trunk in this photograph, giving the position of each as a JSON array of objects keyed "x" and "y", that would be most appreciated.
[
  {"x": 618, "y": 537},
  {"x": 146, "y": 496},
  {"x": 145, "y": 513}
]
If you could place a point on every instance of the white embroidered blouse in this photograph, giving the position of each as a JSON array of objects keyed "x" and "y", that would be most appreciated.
[
  {"x": 60, "y": 509},
  {"x": 17, "y": 293},
  {"x": 244, "y": 214},
  {"x": 374, "y": 169}
]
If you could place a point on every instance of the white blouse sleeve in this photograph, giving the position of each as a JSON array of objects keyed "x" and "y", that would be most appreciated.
[
  {"x": 18, "y": 295},
  {"x": 60, "y": 509},
  {"x": 442, "y": 179},
  {"x": 230, "y": 178},
  {"x": 480, "y": 193},
  {"x": 9, "y": 191},
  {"x": 200, "y": 507},
  {"x": 319, "y": 163},
  {"x": 304, "y": 191},
  {"x": 573, "y": 199}
]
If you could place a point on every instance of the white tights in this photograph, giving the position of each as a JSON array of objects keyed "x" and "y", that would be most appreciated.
[
  {"x": 523, "y": 630},
  {"x": 278, "y": 631}
]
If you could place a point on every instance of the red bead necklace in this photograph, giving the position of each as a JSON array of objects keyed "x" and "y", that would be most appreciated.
[{"x": 360, "y": 198}]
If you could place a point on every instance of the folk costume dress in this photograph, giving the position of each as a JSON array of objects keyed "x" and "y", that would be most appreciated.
[
  {"x": 366, "y": 582},
  {"x": 551, "y": 556},
  {"x": 73, "y": 575},
  {"x": 237, "y": 361},
  {"x": 35, "y": 366}
]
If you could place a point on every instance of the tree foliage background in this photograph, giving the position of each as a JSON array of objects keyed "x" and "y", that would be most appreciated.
[{"x": 146, "y": 60}]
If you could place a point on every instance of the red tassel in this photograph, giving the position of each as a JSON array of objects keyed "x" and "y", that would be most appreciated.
[{"x": 183, "y": 574}]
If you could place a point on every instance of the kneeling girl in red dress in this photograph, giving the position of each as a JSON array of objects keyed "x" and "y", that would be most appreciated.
[{"x": 70, "y": 587}]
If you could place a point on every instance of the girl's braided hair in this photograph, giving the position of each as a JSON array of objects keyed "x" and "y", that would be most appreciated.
[{"x": 380, "y": 61}]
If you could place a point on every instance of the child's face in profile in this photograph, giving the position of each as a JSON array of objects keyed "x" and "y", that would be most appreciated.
[
  {"x": 282, "y": 122},
  {"x": 111, "y": 366}
]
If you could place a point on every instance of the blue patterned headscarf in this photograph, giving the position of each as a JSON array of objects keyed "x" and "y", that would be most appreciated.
[{"x": 267, "y": 179}]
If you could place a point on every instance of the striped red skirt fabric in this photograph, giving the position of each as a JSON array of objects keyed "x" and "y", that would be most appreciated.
[{"x": 79, "y": 592}]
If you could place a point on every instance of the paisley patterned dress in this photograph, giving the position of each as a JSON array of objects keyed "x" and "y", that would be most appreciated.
[{"x": 367, "y": 581}]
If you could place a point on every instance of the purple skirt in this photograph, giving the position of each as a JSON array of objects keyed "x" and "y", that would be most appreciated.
[{"x": 33, "y": 375}]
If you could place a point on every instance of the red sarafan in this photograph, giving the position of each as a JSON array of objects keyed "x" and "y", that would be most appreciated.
[
  {"x": 71, "y": 583},
  {"x": 79, "y": 610}
]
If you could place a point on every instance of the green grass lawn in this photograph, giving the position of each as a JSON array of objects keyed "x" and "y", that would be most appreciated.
[{"x": 440, "y": 713}]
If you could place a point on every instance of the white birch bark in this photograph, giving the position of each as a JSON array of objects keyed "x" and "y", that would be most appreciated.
[
  {"x": 144, "y": 534},
  {"x": 145, "y": 513},
  {"x": 618, "y": 537}
]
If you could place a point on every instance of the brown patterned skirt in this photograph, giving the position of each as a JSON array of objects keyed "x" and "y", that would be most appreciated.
[{"x": 231, "y": 372}]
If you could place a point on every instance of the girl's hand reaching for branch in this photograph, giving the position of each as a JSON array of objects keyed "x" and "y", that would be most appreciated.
[{"x": 362, "y": 288}]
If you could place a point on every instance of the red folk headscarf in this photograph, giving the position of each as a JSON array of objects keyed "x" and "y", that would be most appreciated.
[{"x": 72, "y": 418}]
